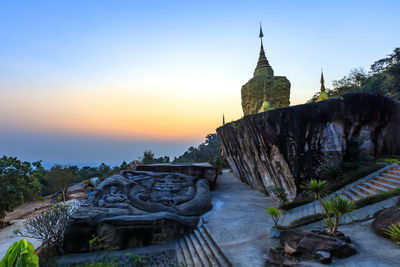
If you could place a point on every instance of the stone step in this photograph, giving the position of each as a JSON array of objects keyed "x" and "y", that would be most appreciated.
[
  {"x": 388, "y": 181},
  {"x": 187, "y": 256},
  {"x": 383, "y": 185},
  {"x": 350, "y": 196},
  {"x": 219, "y": 255},
  {"x": 394, "y": 172},
  {"x": 200, "y": 250},
  {"x": 376, "y": 188},
  {"x": 390, "y": 176},
  {"x": 365, "y": 190},
  {"x": 356, "y": 192},
  {"x": 211, "y": 258},
  {"x": 192, "y": 249}
]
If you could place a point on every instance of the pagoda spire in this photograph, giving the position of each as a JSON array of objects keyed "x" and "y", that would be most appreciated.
[
  {"x": 322, "y": 82},
  {"x": 223, "y": 119},
  {"x": 263, "y": 68}
]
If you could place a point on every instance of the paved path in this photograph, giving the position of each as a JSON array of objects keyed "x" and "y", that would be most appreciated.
[{"x": 239, "y": 222}]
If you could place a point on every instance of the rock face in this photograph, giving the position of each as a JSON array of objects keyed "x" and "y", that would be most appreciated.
[
  {"x": 137, "y": 208},
  {"x": 283, "y": 147},
  {"x": 200, "y": 170},
  {"x": 385, "y": 219}
]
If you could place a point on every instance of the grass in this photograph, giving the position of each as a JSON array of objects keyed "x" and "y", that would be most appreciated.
[{"x": 376, "y": 198}]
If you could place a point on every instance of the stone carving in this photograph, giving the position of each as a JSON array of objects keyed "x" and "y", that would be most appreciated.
[
  {"x": 264, "y": 87},
  {"x": 283, "y": 147},
  {"x": 201, "y": 170},
  {"x": 137, "y": 208}
]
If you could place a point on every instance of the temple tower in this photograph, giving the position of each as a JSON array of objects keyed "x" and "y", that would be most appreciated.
[
  {"x": 264, "y": 91},
  {"x": 322, "y": 93}
]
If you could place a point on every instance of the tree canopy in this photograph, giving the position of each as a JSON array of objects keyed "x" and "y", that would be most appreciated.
[
  {"x": 383, "y": 77},
  {"x": 18, "y": 183}
]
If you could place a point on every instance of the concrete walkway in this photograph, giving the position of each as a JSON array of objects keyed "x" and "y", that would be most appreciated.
[{"x": 239, "y": 222}]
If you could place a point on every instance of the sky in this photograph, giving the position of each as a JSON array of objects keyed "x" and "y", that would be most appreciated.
[{"x": 85, "y": 82}]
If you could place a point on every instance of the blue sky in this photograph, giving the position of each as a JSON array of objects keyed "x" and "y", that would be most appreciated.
[{"x": 130, "y": 75}]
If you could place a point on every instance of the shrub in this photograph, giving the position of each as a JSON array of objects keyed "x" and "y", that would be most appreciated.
[
  {"x": 274, "y": 212},
  {"x": 21, "y": 253},
  {"x": 318, "y": 188},
  {"x": 394, "y": 232},
  {"x": 338, "y": 207},
  {"x": 278, "y": 192},
  {"x": 97, "y": 243},
  {"x": 49, "y": 225},
  {"x": 332, "y": 172}
]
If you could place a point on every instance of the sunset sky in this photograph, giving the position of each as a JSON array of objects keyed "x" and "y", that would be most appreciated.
[{"x": 85, "y": 82}]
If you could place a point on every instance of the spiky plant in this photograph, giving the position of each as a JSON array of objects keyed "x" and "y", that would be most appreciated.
[
  {"x": 394, "y": 232},
  {"x": 338, "y": 207},
  {"x": 274, "y": 212},
  {"x": 318, "y": 188}
]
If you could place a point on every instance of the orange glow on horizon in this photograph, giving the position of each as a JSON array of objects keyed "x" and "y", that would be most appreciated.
[{"x": 118, "y": 113}]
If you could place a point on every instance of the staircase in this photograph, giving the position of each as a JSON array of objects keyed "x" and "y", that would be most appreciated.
[
  {"x": 198, "y": 249},
  {"x": 386, "y": 179}
]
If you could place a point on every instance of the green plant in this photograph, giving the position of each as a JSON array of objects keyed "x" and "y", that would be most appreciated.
[
  {"x": 318, "y": 188},
  {"x": 394, "y": 232},
  {"x": 97, "y": 243},
  {"x": 136, "y": 259},
  {"x": 20, "y": 254},
  {"x": 338, "y": 207},
  {"x": 104, "y": 263},
  {"x": 279, "y": 193},
  {"x": 294, "y": 204},
  {"x": 332, "y": 172},
  {"x": 376, "y": 198},
  {"x": 390, "y": 160},
  {"x": 274, "y": 212}
]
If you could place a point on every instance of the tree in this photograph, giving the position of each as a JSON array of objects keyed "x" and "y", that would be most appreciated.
[
  {"x": 60, "y": 177},
  {"x": 274, "y": 213},
  {"x": 338, "y": 207},
  {"x": 383, "y": 78},
  {"x": 318, "y": 188},
  {"x": 205, "y": 152},
  {"x": 148, "y": 157},
  {"x": 18, "y": 183},
  {"x": 49, "y": 225}
]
